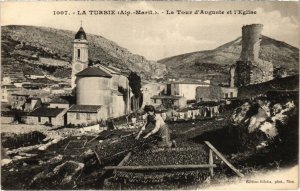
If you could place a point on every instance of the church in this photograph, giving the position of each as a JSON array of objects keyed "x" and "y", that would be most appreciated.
[{"x": 102, "y": 92}]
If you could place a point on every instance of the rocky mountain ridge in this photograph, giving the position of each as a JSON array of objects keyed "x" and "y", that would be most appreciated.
[
  {"x": 50, "y": 51},
  {"x": 218, "y": 61},
  {"x": 25, "y": 45}
]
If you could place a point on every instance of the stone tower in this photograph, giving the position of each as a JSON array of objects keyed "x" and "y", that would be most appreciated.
[
  {"x": 251, "y": 37},
  {"x": 80, "y": 55},
  {"x": 250, "y": 69}
]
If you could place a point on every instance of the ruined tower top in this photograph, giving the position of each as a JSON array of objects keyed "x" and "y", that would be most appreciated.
[{"x": 251, "y": 36}]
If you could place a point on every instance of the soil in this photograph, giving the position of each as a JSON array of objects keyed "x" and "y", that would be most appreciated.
[
  {"x": 92, "y": 149},
  {"x": 13, "y": 141}
]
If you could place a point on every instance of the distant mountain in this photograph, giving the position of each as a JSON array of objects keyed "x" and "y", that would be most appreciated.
[
  {"x": 215, "y": 63},
  {"x": 50, "y": 51}
]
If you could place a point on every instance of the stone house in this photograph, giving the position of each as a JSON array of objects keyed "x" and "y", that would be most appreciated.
[
  {"x": 31, "y": 86},
  {"x": 57, "y": 90},
  {"x": 229, "y": 92},
  {"x": 85, "y": 114},
  {"x": 6, "y": 80},
  {"x": 25, "y": 102},
  {"x": 43, "y": 115},
  {"x": 7, "y": 117},
  {"x": 185, "y": 88},
  {"x": 34, "y": 75},
  {"x": 58, "y": 102},
  {"x": 18, "y": 84},
  {"x": 215, "y": 93},
  {"x": 17, "y": 100},
  {"x": 32, "y": 103},
  {"x": 169, "y": 101},
  {"x": 211, "y": 93},
  {"x": 6, "y": 91},
  {"x": 151, "y": 89}
]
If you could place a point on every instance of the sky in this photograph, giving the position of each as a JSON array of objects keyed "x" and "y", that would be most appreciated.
[{"x": 162, "y": 35}]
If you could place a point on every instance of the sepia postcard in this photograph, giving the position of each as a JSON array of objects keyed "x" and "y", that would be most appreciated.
[{"x": 149, "y": 95}]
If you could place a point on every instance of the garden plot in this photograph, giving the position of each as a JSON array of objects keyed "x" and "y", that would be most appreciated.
[
  {"x": 119, "y": 147},
  {"x": 65, "y": 158},
  {"x": 156, "y": 160},
  {"x": 13, "y": 141}
]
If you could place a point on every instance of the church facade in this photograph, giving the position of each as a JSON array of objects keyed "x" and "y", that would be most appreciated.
[{"x": 104, "y": 87}]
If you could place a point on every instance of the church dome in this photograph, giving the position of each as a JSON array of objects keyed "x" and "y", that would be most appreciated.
[{"x": 80, "y": 34}]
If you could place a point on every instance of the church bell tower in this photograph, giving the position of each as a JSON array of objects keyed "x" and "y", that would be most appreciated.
[{"x": 80, "y": 55}]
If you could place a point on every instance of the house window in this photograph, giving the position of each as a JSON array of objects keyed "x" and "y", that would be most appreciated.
[
  {"x": 226, "y": 95},
  {"x": 231, "y": 94},
  {"x": 88, "y": 116},
  {"x": 154, "y": 100},
  {"x": 77, "y": 115},
  {"x": 39, "y": 119},
  {"x": 78, "y": 53},
  {"x": 50, "y": 120}
]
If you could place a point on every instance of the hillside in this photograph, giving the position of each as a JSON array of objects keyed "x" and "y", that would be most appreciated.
[
  {"x": 50, "y": 50},
  {"x": 220, "y": 59}
]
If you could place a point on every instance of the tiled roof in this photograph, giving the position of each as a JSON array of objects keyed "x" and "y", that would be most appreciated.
[
  {"x": 114, "y": 68},
  {"x": 59, "y": 100},
  {"x": 80, "y": 34},
  {"x": 9, "y": 86},
  {"x": 57, "y": 88},
  {"x": 165, "y": 97},
  {"x": 207, "y": 103},
  {"x": 93, "y": 72},
  {"x": 21, "y": 94},
  {"x": 108, "y": 69},
  {"x": 46, "y": 112},
  {"x": 84, "y": 108},
  {"x": 190, "y": 82},
  {"x": 10, "y": 113}
]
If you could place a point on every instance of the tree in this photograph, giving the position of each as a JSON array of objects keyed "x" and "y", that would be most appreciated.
[
  {"x": 135, "y": 85},
  {"x": 91, "y": 62}
]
